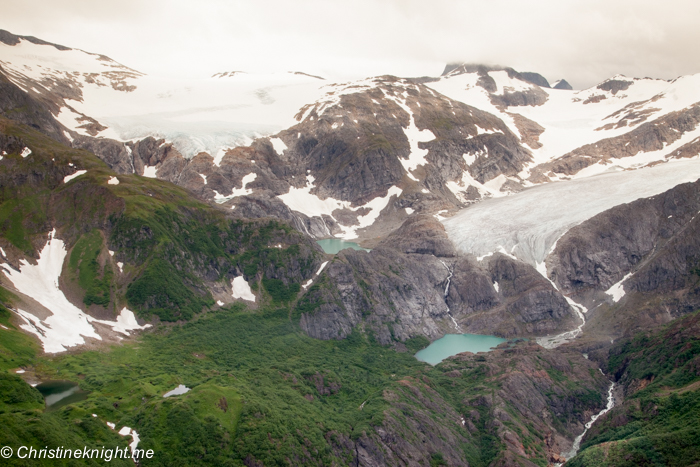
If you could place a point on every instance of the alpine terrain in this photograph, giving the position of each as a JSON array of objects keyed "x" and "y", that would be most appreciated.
[{"x": 163, "y": 284}]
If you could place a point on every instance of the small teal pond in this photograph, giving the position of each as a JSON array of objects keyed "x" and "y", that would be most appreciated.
[
  {"x": 334, "y": 245},
  {"x": 452, "y": 344},
  {"x": 59, "y": 393}
]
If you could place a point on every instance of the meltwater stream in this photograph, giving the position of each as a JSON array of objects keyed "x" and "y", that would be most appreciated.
[
  {"x": 447, "y": 291},
  {"x": 527, "y": 225},
  {"x": 577, "y": 442}
]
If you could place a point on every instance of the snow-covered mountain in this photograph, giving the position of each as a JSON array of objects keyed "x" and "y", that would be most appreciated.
[
  {"x": 357, "y": 160},
  {"x": 93, "y": 95}
]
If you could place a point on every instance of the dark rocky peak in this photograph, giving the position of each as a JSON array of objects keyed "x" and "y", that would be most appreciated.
[
  {"x": 507, "y": 97},
  {"x": 356, "y": 139},
  {"x": 8, "y": 38},
  {"x": 563, "y": 84},
  {"x": 535, "y": 78},
  {"x": 616, "y": 84},
  {"x": 454, "y": 69},
  {"x": 21, "y": 107}
]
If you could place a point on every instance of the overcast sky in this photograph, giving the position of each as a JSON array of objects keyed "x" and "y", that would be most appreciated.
[{"x": 582, "y": 41}]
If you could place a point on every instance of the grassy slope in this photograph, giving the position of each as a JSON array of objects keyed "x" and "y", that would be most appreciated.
[{"x": 172, "y": 244}]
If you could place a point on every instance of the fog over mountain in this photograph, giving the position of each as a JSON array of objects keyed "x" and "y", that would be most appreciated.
[
  {"x": 586, "y": 42},
  {"x": 268, "y": 233}
]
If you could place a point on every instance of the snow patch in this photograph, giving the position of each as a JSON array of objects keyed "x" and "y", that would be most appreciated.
[
  {"x": 243, "y": 191},
  {"x": 301, "y": 200},
  {"x": 150, "y": 171},
  {"x": 278, "y": 145},
  {"x": 178, "y": 391},
  {"x": 68, "y": 326},
  {"x": 126, "y": 321},
  {"x": 323, "y": 265},
  {"x": 68, "y": 178},
  {"x": 113, "y": 181},
  {"x": 126, "y": 431},
  {"x": 241, "y": 289},
  {"x": 616, "y": 291}
]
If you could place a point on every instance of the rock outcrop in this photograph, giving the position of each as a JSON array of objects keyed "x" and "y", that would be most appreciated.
[
  {"x": 531, "y": 401},
  {"x": 413, "y": 284},
  {"x": 649, "y": 247},
  {"x": 647, "y": 137}
]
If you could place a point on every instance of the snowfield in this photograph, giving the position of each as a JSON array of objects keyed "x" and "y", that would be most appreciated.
[
  {"x": 68, "y": 326},
  {"x": 196, "y": 115}
]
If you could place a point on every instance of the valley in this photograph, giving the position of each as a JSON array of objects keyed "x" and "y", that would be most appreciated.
[{"x": 249, "y": 270}]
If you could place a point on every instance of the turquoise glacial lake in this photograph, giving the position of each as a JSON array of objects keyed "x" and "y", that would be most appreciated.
[
  {"x": 452, "y": 344},
  {"x": 334, "y": 245}
]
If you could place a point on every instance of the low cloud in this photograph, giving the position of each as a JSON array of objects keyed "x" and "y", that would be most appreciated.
[{"x": 582, "y": 41}]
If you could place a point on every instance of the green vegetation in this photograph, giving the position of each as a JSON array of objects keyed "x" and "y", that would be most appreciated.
[
  {"x": 16, "y": 395},
  {"x": 659, "y": 422},
  {"x": 69, "y": 428},
  {"x": 17, "y": 349},
  {"x": 262, "y": 391},
  {"x": 160, "y": 290},
  {"x": 96, "y": 280},
  {"x": 279, "y": 292}
]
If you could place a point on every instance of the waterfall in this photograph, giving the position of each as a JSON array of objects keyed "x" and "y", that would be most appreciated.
[
  {"x": 447, "y": 290},
  {"x": 577, "y": 442}
]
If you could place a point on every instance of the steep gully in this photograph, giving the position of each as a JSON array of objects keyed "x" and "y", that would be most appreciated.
[
  {"x": 447, "y": 290},
  {"x": 577, "y": 442}
]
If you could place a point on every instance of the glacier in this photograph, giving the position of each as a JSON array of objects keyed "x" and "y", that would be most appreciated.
[{"x": 527, "y": 224}]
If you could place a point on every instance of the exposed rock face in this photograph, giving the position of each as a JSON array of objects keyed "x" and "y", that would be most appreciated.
[
  {"x": 421, "y": 234},
  {"x": 650, "y": 136},
  {"x": 505, "y": 297},
  {"x": 533, "y": 401},
  {"x": 113, "y": 153},
  {"x": 615, "y": 85},
  {"x": 563, "y": 84},
  {"x": 19, "y": 106},
  {"x": 535, "y": 78},
  {"x": 653, "y": 239},
  {"x": 397, "y": 296},
  {"x": 8, "y": 38},
  {"x": 412, "y": 285},
  {"x": 530, "y": 131},
  {"x": 533, "y": 96}
]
